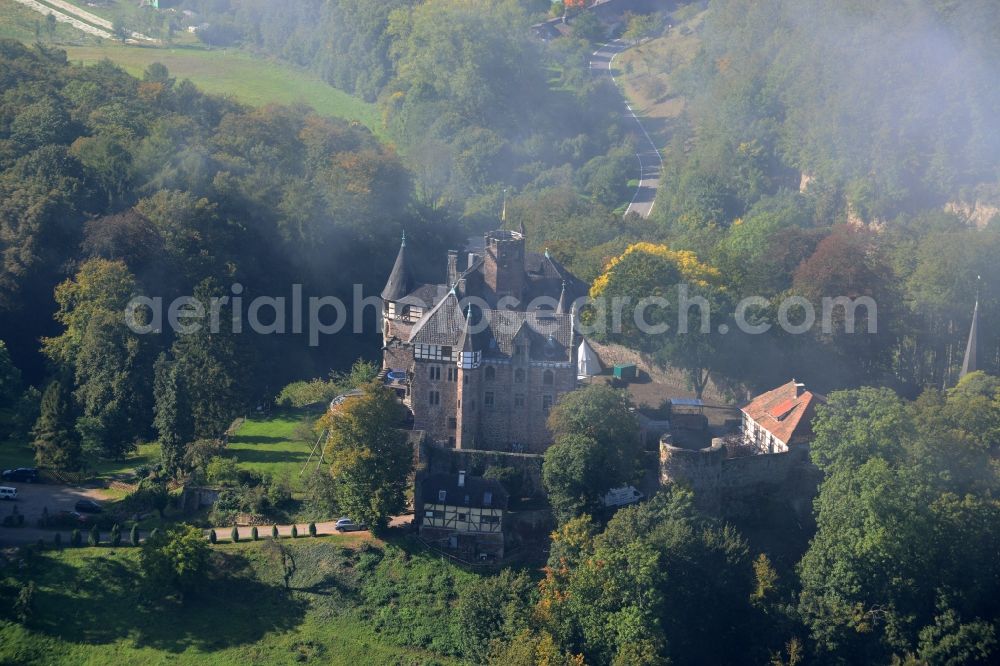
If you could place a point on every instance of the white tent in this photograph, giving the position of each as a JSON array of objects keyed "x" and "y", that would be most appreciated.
[{"x": 587, "y": 362}]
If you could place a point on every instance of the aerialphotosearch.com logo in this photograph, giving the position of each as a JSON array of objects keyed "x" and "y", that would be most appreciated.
[{"x": 318, "y": 316}]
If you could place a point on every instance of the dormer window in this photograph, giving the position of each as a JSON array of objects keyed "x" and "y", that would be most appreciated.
[
  {"x": 487, "y": 498},
  {"x": 442, "y": 495}
]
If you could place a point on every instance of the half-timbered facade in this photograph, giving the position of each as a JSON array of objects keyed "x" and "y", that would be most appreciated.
[{"x": 464, "y": 514}]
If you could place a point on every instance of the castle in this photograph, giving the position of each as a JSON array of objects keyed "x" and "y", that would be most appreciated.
[{"x": 480, "y": 359}]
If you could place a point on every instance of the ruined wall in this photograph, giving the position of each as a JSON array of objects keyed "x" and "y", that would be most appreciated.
[{"x": 731, "y": 486}]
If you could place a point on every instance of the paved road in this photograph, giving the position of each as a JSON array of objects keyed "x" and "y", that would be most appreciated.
[
  {"x": 264, "y": 531},
  {"x": 650, "y": 161}
]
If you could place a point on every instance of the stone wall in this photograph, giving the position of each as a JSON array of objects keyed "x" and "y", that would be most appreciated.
[
  {"x": 438, "y": 420},
  {"x": 518, "y": 415},
  {"x": 730, "y": 486}
]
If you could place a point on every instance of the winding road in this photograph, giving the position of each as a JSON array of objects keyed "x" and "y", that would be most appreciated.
[{"x": 650, "y": 160}]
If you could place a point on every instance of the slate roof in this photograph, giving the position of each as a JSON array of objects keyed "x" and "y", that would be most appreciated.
[
  {"x": 786, "y": 412},
  {"x": 473, "y": 494},
  {"x": 442, "y": 325},
  {"x": 425, "y": 295},
  {"x": 549, "y": 335},
  {"x": 400, "y": 281}
]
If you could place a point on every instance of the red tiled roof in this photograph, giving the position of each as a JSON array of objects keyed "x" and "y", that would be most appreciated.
[{"x": 786, "y": 412}]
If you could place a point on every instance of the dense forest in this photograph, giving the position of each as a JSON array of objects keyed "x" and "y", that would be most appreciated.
[
  {"x": 803, "y": 117},
  {"x": 825, "y": 149},
  {"x": 113, "y": 187},
  {"x": 475, "y": 103}
]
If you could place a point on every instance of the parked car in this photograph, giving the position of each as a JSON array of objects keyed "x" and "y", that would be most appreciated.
[
  {"x": 8, "y": 493},
  {"x": 88, "y": 506},
  {"x": 22, "y": 474},
  {"x": 69, "y": 518},
  {"x": 348, "y": 525}
]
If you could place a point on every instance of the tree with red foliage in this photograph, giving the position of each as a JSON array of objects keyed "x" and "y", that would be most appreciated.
[{"x": 850, "y": 263}]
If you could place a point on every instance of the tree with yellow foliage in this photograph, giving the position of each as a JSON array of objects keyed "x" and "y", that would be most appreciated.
[{"x": 672, "y": 306}]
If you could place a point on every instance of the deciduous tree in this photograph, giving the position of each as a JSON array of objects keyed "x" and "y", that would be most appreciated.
[{"x": 369, "y": 456}]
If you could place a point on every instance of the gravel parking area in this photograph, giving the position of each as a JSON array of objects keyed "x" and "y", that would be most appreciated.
[{"x": 32, "y": 498}]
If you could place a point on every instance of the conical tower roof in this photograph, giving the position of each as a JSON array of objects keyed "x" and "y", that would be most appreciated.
[
  {"x": 400, "y": 282},
  {"x": 588, "y": 363},
  {"x": 971, "y": 361},
  {"x": 563, "y": 306}
]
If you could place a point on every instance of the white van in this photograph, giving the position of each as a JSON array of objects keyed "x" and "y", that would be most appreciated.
[{"x": 8, "y": 493}]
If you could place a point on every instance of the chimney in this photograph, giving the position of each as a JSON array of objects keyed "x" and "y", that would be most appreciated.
[
  {"x": 473, "y": 258},
  {"x": 800, "y": 388},
  {"x": 452, "y": 267},
  {"x": 461, "y": 479}
]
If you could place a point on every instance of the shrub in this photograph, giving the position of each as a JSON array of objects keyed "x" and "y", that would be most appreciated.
[
  {"x": 234, "y": 534},
  {"x": 24, "y": 607},
  {"x": 94, "y": 539},
  {"x": 75, "y": 539},
  {"x": 133, "y": 535},
  {"x": 57, "y": 541},
  {"x": 116, "y": 535},
  {"x": 295, "y": 532},
  {"x": 274, "y": 531},
  {"x": 253, "y": 533},
  {"x": 211, "y": 536},
  {"x": 312, "y": 529}
]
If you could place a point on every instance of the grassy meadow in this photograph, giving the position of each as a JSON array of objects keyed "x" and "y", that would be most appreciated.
[
  {"x": 231, "y": 72},
  {"x": 343, "y": 605},
  {"x": 278, "y": 444}
]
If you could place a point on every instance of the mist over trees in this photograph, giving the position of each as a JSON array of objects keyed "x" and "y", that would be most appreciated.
[
  {"x": 114, "y": 187},
  {"x": 473, "y": 100}
]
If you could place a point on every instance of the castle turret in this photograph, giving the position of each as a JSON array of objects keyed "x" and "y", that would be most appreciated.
[
  {"x": 563, "y": 306},
  {"x": 400, "y": 282}
]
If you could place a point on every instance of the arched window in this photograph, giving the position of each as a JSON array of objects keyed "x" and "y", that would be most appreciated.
[
  {"x": 491, "y": 373},
  {"x": 519, "y": 375},
  {"x": 548, "y": 379}
]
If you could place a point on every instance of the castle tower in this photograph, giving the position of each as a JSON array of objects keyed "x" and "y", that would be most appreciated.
[
  {"x": 399, "y": 284},
  {"x": 400, "y": 281},
  {"x": 467, "y": 423},
  {"x": 503, "y": 267}
]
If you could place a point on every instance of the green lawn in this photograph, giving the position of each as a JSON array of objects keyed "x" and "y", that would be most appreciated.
[
  {"x": 90, "y": 608},
  {"x": 145, "y": 454},
  {"x": 231, "y": 72},
  {"x": 16, "y": 454},
  {"x": 278, "y": 445}
]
